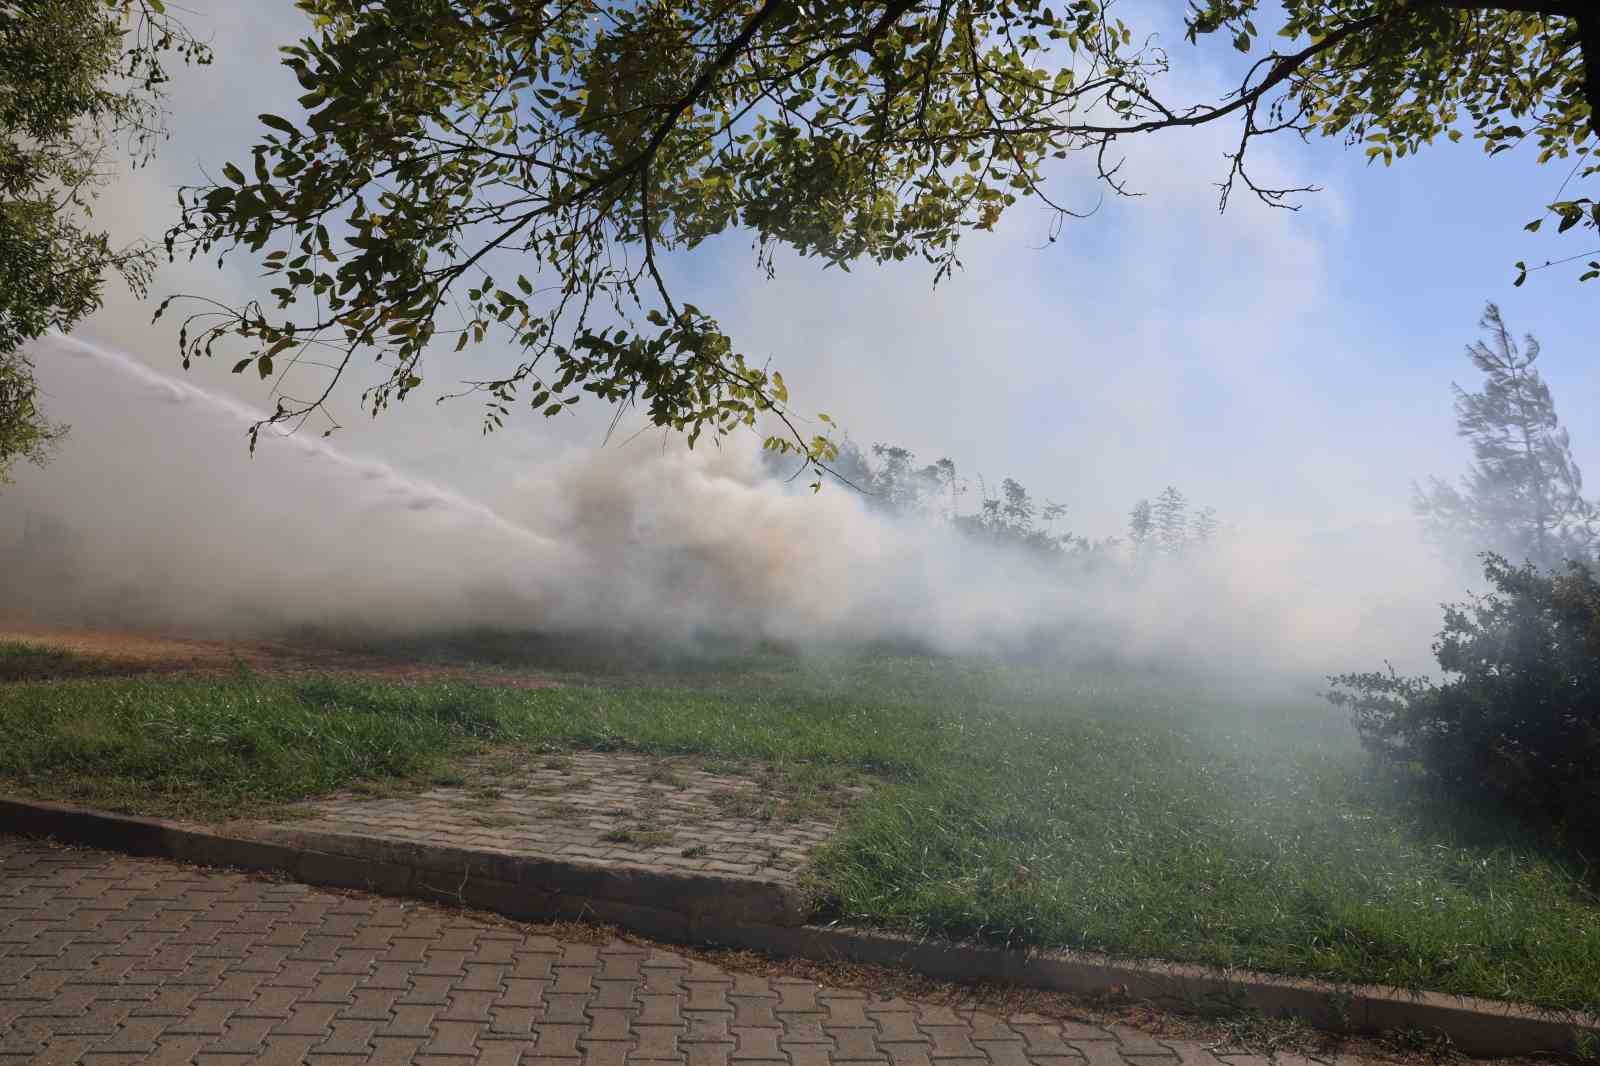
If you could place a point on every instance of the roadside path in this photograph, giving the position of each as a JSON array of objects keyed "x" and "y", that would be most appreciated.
[{"x": 110, "y": 960}]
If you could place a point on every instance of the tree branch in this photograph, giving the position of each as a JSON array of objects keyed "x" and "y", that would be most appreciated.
[
  {"x": 1589, "y": 40},
  {"x": 1569, "y": 8},
  {"x": 1583, "y": 12}
]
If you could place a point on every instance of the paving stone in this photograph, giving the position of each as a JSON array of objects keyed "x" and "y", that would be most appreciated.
[
  {"x": 1192, "y": 1054},
  {"x": 758, "y": 1044},
  {"x": 370, "y": 1004},
  {"x": 708, "y": 1027},
  {"x": 270, "y": 1003},
  {"x": 663, "y": 981},
  {"x": 243, "y": 1036},
  {"x": 1134, "y": 1042},
  {"x": 803, "y": 1028},
  {"x": 939, "y": 1014},
  {"x": 707, "y": 995},
  {"x": 289, "y": 987},
  {"x": 601, "y": 794},
  {"x": 855, "y": 1044},
  {"x": 558, "y": 1041},
  {"x": 429, "y": 989},
  {"x": 411, "y": 1022},
  {"x": 394, "y": 1051},
  {"x": 751, "y": 1011},
  {"x": 658, "y": 1008},
  {"x": 847, "y": 1009},
  {"x": 566, "y": 1009},
  {"x": 177, "y": 1051},
  {"x": 951, "y": 1042},
  {"x": 453, "y": 1038},
  {"x": 1044, "y": 1039},
  {"x": 1005, "y": 1052},
  {"x": 898, "y": 1027},
  {"x": 1100, "y": 1053},
  {"x": 469, "y": 1006},
  {"x": 608, "y": 1023},
  {"x": 658, "y": 1042},
  {"x": 64, "y": 1051},
  {"x": 513, "y": 1021},
  {"x": 285, "y": 1050},
  {"x": 988, "y": 1027},
  {"x": 606, "y": 1053},
  {"x": 500, "y": 1053},
  {"x": 610, "y": 993},
  {"x": 908, "y": 1054},
  {"x": 349, "y": 1038},
  {"x": 134, "y": 1035},
  {"x": 516, "y": 992},
  {"x": 708, "y": 1054}
]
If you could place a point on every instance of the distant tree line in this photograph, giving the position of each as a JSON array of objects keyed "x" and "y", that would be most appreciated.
[{"x": 892, "y": 482}]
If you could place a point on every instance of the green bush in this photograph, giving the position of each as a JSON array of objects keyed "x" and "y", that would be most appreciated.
[{"x": 1517, "y": 720}]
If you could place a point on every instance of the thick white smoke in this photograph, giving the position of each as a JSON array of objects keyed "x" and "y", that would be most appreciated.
[{"x": 153, "y": 515}]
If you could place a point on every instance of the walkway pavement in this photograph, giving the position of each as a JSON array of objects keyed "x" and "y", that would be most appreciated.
[
  {"x": 611, "y": 809},
  {"x": 110, "y": 960}
]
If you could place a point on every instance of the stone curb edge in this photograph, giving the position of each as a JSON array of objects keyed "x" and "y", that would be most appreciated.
[{"x": 745, "y": 913}]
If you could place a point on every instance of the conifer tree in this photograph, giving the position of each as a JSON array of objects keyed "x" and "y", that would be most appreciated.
[{"x": 1523, "y": 495}]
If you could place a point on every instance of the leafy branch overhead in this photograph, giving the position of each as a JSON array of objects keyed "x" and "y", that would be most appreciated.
[
  {"x": 74, "y": 76},
  {"x": 522, "y": 167}
]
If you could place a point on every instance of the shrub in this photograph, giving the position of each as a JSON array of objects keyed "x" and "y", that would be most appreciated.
[{"x": 1517, "y": 720}]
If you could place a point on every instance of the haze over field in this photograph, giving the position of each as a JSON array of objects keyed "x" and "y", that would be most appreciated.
[
  {"x": 155, "y": 515},
  {"x": 1290, "y": 369}
]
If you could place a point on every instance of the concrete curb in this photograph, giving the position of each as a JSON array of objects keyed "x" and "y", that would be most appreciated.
[{"x": 746, "y": 913}]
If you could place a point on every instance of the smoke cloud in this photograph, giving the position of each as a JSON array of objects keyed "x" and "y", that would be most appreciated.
[{"x": 153, "y": 515}]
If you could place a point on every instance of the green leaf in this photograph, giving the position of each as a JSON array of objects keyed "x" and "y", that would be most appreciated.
[
  {"x": 233, "y": 173},
  {"x": 280, "y": 124}
]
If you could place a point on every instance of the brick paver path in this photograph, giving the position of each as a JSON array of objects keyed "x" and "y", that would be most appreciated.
[
  {"x": 601, "y": 808},
  {"x": 108, "y": 960}
]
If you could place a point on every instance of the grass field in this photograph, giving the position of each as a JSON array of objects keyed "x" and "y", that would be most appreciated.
[{"x": 1016, "y": 805}]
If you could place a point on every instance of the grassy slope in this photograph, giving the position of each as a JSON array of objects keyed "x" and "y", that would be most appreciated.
[{"x": 1018, "y": 806}]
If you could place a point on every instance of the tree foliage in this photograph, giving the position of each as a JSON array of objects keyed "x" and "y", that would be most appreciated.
[
  {"x": 73, "y": 73},
  {"x": 893, "y": 483},
  {"x": 25, "y": 434},
  {"x": 1171, "y": 511},
  {"x": 466, "y": 169},
  {"x": 1166, "y": 527},
  {"x": 1014, "y": 519},
  {"x": 1141, "y": 526},
  {"x": 1517, "y": 721},
  {"x": 1523, "y": 496}
]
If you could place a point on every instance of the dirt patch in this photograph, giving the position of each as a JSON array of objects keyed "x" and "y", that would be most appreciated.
[{"x": 111, "y": 653}]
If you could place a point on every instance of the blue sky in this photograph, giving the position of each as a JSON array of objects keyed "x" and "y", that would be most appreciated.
[{"x": 1290, "y": 368}]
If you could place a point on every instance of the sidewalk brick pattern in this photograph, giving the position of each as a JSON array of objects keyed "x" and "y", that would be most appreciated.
[
  {"x": 107, "y": 960},
  {"x": 604, "y": 808}
]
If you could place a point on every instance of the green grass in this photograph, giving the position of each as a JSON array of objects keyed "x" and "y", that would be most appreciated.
[
  {"x": 1013, "y": 805},
  {"x": 25, "y": 661}
]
